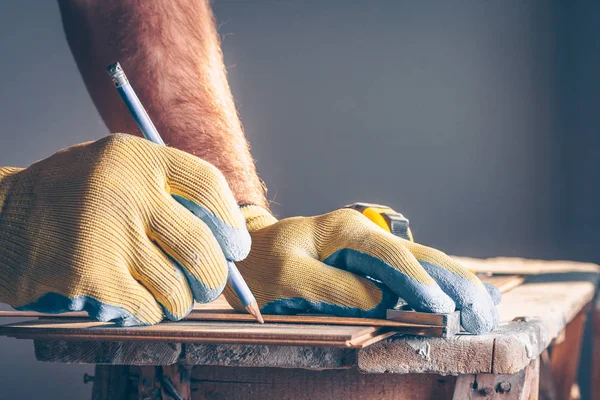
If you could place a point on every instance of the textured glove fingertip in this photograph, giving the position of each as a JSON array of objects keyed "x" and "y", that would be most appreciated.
[
  {"x": 478, "y": 318},
  {"x": 494, "y": 293},
  {"x": 234, "y": 241},
  {"x": 203, "y": 293}
]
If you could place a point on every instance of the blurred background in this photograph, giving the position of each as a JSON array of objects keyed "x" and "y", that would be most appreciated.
[{"x": 477, "y": 120}]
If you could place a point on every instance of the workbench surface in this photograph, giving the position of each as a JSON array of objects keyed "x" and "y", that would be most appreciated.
[{"x": 532, "y": 315}]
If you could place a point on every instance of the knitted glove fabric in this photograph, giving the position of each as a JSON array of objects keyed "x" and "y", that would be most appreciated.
[
  {"x": 322, "y": 263},
  {"x": 106, "y": 227}
]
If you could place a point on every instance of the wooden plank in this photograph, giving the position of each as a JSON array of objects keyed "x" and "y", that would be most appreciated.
[
  {"x": 232, "y": 316},
  {"x": 522, "y": 266},
  {"x": 449, "y": 320},
  {"x": 504, "y": 282},
  {"x": 197, "y": 332},
  {"x": 372, "y": 338},
  {"x": 299, "y": 384},
  {"x": 418, "y": 328}
]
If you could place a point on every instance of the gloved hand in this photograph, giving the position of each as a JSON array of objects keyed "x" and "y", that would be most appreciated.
[
  {"x": 102, "y": 227},
  {"x": 320, "y": 263}
]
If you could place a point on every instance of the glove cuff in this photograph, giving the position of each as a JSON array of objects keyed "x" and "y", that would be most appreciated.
[{"x": 257, "y": 217}]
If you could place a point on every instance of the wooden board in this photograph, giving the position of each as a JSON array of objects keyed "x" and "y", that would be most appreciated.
[
  {"x": 408, "y": 328},
  {"x": 523, "y": 266},
  {"x": 200, "y": 332},
  {"x": 220, "y": 311},
  {"x": 504, "y": 282},
  {"x": 415, "y": 317}
]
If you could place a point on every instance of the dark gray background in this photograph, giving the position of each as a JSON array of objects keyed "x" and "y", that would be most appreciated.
[{"x": 477, "y": 119}]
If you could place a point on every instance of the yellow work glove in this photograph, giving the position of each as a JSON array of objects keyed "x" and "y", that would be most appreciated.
[
  {"x": 322, "y": 263},
  {"x": 106, "y": 227}
]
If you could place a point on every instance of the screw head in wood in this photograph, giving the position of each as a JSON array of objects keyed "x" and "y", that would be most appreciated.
[{"x": 504, "y": 387}]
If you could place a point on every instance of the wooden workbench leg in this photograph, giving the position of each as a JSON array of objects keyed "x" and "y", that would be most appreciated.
[
  {"x": 524, "y": 385},
  {"x": 564, "y": 356},
  {"x": 110, "y": 382},
  {"x": 171, "y": 382},
  {"x": 595, "y": 381},
  {"x": 175, "y": 382}
]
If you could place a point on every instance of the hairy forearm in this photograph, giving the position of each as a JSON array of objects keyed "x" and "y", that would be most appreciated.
[{"x": 171, "y": 53}]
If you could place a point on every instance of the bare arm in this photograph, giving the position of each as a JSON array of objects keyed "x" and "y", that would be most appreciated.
[{"x": 171, "y": 53}]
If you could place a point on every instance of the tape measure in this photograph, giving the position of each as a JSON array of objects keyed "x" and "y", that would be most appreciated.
[{"x": 386, "y": 218}]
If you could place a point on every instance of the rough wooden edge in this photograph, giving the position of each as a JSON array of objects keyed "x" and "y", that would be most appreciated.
[
  {"x": 115, "y": 353},
  {"x": 523, "y": 266},
  {"x": 306, "y": 357},
  {"x": 404, "y": 355}
]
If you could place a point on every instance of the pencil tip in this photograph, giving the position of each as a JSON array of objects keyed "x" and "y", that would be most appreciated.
[{"x": 253, "y": 309}]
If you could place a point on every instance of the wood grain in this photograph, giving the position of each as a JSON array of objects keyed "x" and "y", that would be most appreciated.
[
  {"x": 523, "y": 385},
  {"x": 207, "y": 314},
  {"x": 110, "y": 382},
  {"x": 298, "y": 384},
  {"x": 523, "y": 266},
  {"x": 504, "y": 282},
  {"x": 450, "y": 320},
  {"x": 197, "y": 332}
]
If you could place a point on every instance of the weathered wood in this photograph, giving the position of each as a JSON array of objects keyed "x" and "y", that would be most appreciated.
[
  {"x": 523, "y": 266},
  {"x": 175, "y": 382},
  {"x": 269, "y": 356},
  {"x": 110, "y": 383},
  {"x": 542, "y": 307},
  {"x": 403, "y": 355},
  {"x": 595, "y": 381},
  {"x": 523, "y": 385},
  {"x": 297, "y": 384},
  {"x": 117, "y": 353},
  {"x": 564, "y": 358},
  {"x": 547, "y": 389},
  {"x": 148, "y": 386}
]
